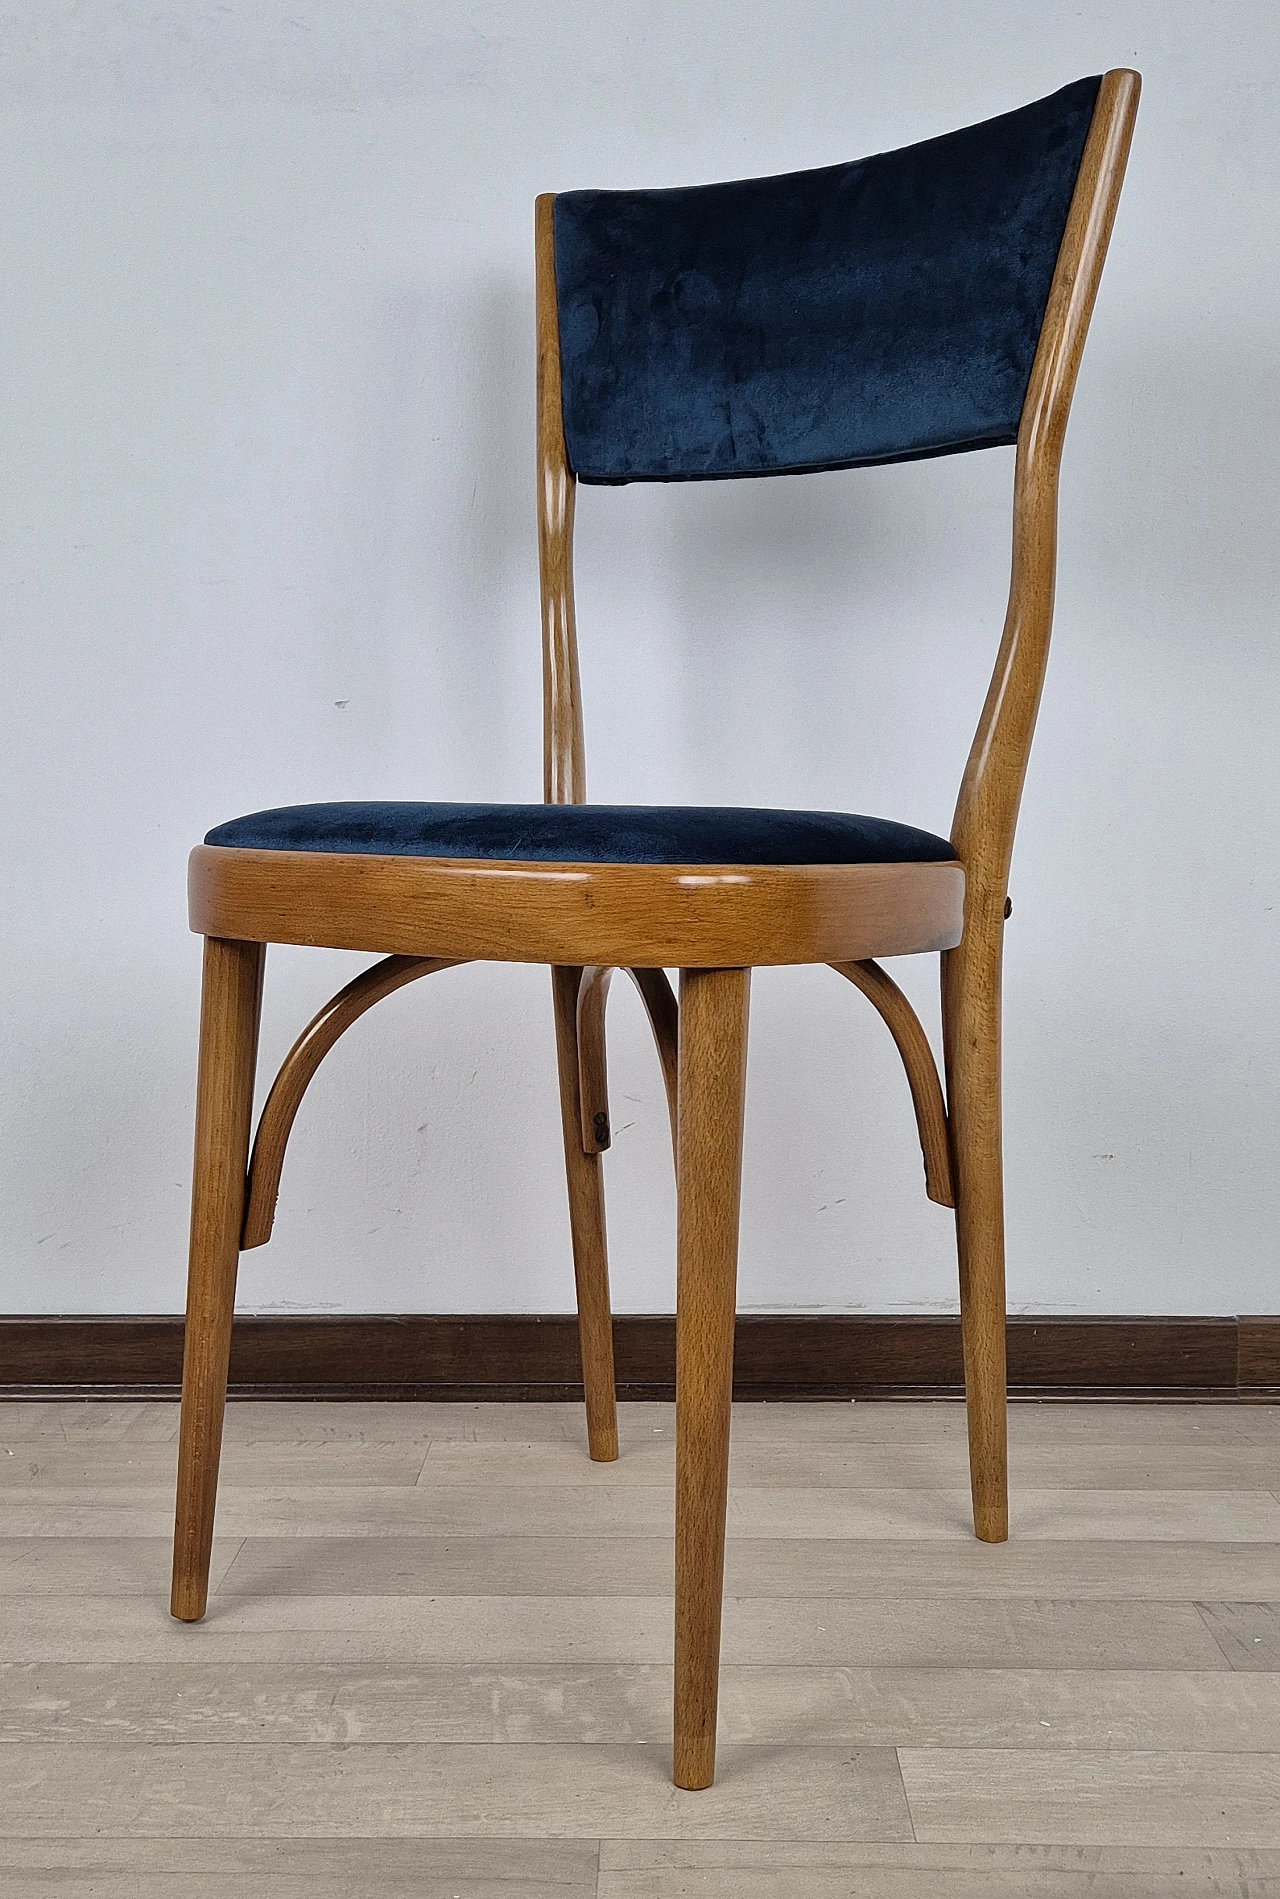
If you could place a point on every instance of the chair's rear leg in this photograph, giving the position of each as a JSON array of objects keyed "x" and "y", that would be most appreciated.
[
  {"x": 971, "y": 1021},
  {"x": 586, "y": 1221},
  {"x": 229, "y": 1011},
  {"x": 713, "y": 1058}
]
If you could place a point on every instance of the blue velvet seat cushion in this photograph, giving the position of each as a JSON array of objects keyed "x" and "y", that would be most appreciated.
[
  {"x": 586, "y": 834},
  {"x": 876, "y": 311}
]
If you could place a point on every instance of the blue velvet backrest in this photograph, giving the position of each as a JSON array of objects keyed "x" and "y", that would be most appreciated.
[{"x": 869, "y": 312}]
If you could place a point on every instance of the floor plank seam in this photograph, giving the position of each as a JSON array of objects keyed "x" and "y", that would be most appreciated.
[{"x": 948, "y": 1701}]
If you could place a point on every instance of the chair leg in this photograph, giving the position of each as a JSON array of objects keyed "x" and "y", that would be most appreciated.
[
  {"x": 229, "y": 1012},
  {"x": 713, "y": 1059},
  {"x": 586, "y": 1221},
  {"x": 971, "y": 1025}
]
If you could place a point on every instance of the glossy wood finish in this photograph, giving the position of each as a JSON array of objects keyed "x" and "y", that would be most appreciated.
[
  {"x": 714, "y": 923},
  {"x": 230, "y": 1009},
  {"x": 664, "y": 1019},
  {"x": 593, "y": 1070},
  {"x": 661, "y": 916},
  {"x": 922, "y": 1072},
  {"x": 987, "y": 809},
  {"x": 713, "y": 1073},
  {"x": 296, "y": 1073},
  {"x": 564, "y": 755},
  {"x": 587, "y": 1226}
]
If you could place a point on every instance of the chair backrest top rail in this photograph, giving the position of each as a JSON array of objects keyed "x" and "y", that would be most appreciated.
[{"x": 880, "y": 310}]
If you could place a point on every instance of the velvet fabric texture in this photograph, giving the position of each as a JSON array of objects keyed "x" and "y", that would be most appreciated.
[
  {"x": 869, "y": 312},
  {"x": 586, "y": 834}
]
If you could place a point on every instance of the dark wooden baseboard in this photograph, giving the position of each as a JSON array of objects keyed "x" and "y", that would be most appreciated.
[{"x": 517, "y": 1357}]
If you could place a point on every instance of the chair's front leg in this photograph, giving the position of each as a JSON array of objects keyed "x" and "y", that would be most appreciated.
[
  {"x": 713, "y": 1060},
  {"x": 229, "y": 1012},
  {"x": 587, "y": 1228}
]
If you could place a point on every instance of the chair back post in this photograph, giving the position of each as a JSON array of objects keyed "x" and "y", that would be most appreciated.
[
  {"x": 564, "y": 759},
  {"x": 987, "y": 809}
]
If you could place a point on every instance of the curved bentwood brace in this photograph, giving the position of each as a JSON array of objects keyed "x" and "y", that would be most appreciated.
[
  {"x": 922, "y": 1072},
  {"x": 300, "y": 1066},
  {"x": 664, "y": 1019},
  {"x": 663, "y": 1011},
  {"x": 296, "y": 1073}
]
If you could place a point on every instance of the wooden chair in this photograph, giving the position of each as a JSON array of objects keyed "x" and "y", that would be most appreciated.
[{"x": 924, "y": 302}]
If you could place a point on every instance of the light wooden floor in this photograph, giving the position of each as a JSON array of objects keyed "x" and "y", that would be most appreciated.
[{"x": 436, "y": 1659}]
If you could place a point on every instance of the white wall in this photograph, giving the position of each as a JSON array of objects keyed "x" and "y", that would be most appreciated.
[{"x": 268, "y": 536}]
